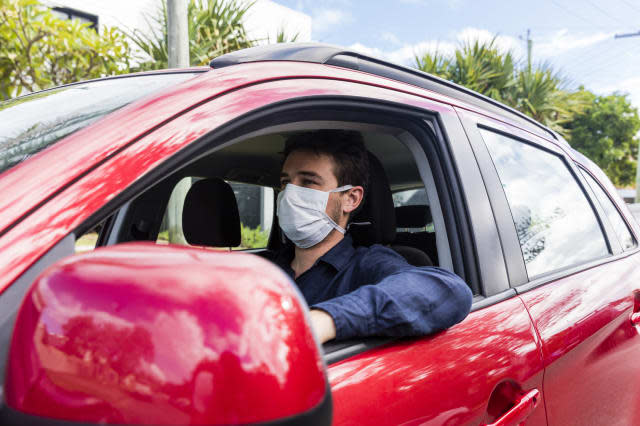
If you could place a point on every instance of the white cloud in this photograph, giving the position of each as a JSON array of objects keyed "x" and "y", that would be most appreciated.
[
  {"x": 390, "y": 37},
  {"x": 562, "y": 41},
  {"x": 503, "y": 42},
  {"x": 630, "y": 85},
  {"x": 453, "y": 4},
  {"x": 405, "y": 53},
  {"x": 323, "y": 19}
]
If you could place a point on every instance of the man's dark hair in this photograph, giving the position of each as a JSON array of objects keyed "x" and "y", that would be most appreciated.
[{"x": 345, "y": 147}]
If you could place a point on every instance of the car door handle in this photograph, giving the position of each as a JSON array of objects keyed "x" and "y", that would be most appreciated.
[{"x": 519, "y": 412}]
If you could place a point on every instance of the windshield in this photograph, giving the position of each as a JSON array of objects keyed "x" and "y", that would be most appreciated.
[{"x": 31, "y": 123}]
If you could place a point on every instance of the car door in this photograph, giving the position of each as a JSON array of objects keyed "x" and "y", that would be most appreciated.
[
  {"x": 576, "y": 281},
  {"x": 486, "y": 368}
]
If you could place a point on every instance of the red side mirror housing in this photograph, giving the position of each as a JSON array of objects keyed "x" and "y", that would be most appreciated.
[{"x": 147, "y": 334}]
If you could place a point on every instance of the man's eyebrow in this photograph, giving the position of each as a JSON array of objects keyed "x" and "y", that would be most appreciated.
[
  {"x": 310, "y": 174},
  {"x": 306, "y": 173}
]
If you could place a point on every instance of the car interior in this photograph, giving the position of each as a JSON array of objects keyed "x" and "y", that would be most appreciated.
[
  {"x": 230, "y": 187},
  {"x": 229, "y": 193}
]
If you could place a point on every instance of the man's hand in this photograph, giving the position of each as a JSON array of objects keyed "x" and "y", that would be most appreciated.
[{"x": 322, "y": 325}]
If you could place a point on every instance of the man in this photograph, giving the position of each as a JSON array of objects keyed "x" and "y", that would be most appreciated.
[{"x": 352, "y": 291}]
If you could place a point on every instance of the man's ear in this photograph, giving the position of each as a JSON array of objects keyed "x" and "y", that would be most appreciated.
[{"x": 352, "y": 199}]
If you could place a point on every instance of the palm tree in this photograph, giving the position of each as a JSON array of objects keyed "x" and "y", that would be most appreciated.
[
  {"x": 536, "y": 90},
  {"x": 478, "y": 65},
  {"x": 215, "y": 28},
  {"x": 434, "y": 63},
  {"x": 542, "y": 94}
]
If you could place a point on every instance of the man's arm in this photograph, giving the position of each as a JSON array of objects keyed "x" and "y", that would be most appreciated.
[
  {"x": 409, "y": 301},
  {"x": 323, "y": 325}
]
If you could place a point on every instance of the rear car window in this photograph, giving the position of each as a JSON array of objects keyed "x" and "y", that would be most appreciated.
[
  {"x": 412, "y": 211},
  {"x": 555, "y": 224},
  {"x": 256, "y": 207},
  {"x": 31, "y": 123},
  {"x": 618, "y": 224}
]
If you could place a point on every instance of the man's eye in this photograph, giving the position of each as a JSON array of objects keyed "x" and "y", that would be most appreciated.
[{"x": 308, "y": 182}]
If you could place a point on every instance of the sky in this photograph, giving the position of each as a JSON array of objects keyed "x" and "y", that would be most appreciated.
[{"x": 575, "y": 36}]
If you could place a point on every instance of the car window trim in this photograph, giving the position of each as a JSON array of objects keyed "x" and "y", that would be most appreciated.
[
  {"x": 624, "y": 218},
  {"x": 512, "y": 253},
  {"x": 558, "y": 274},
  {"x": 615, "y": 246},
  {"x": 505, "y": 222}
]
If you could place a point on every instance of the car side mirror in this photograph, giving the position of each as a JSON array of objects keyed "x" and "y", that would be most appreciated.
[{"x": 146, "y": 334}]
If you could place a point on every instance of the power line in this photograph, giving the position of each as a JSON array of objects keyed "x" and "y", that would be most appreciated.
[
  {"x": 605, "y": 12},
  {"x": 609, "y": 62},
  {"x": 576, "y": 15},
  {"x": 631, "y": 5}
]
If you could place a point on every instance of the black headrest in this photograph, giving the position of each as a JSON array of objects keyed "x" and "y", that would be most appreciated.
[
  {"x": 413, "y": 216},
  {"x": 377, "y": 209},
  {"x": 210, "y": 214}
]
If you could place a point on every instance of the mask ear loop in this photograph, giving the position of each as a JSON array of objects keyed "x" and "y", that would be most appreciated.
[{"x": 331, "y": 221}]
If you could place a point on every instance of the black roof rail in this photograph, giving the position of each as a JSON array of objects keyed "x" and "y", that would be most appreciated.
[{"x": 333, "y": 55}]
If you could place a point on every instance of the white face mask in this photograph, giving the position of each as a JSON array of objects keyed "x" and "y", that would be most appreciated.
[{"x": 302, "y": 214}]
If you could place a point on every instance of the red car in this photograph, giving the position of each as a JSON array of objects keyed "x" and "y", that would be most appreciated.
[{"x": 139, "y": 331}]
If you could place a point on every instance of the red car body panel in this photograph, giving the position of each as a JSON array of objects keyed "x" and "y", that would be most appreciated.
[
  {"x": 31, "y": 238},
  {"x": 590, "y": 347},
  {"x": 463, "y": 368},
  {"x": 146, "y": 334}
]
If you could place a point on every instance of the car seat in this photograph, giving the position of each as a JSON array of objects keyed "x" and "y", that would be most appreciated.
[
  {"x": 210, "y": 214},
  {"x": 375, "y": 223},
  {"x": 416, "y": 217}
]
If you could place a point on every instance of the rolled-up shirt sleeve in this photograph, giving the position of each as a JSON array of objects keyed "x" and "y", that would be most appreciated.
[{"x": 405, "y": 301}]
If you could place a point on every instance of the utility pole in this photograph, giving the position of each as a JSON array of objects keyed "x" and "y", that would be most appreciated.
[
  {"x": 178, "y": 35},
  {"x": 529, "y": 48},
  {"x": 637, "y": 200},
  {"x": 178, "y": 46}
]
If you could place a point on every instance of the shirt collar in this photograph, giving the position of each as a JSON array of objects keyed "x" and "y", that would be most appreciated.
[{"x": 340, "y": 254}]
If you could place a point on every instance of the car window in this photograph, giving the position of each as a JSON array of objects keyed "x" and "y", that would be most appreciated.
[
  {"x": 255, "y": 206},
  {"x": 31, "y": 123},
  {"x": 618, "y": 224},
  {"x": 555, "y": 224},
  {"x": 89, "y": 240},
  {"x": 417, "y": 198}
]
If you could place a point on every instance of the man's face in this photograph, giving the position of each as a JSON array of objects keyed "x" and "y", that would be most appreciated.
[{"x": 315, "y": 171}]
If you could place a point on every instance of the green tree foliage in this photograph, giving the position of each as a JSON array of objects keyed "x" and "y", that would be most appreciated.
[
  {"x": 215, "y": 28},
  {"x": 541, "y": 93},
  {"x": 534, "y": 90},
  {"x": 39, "y": 50},
  {"x": 601, "y": 127},
  {"x": 253, "y": 237},
  {"x": 481, "y": 66},
  {"x": 606, "y": 132}
]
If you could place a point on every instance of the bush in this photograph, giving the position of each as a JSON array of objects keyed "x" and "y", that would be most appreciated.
[{"x": 253, "y": 238}]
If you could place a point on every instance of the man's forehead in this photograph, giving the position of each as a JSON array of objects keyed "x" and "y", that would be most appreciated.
[{"x": 308, "y": 161}]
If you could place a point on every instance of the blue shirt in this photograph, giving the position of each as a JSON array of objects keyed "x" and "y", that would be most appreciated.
[{"x": 373, "y": 291}]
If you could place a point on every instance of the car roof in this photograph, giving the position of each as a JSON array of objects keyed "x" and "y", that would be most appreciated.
[
  {"x": 333, "y": 55},
  {"x": 31, "y": 183}
]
